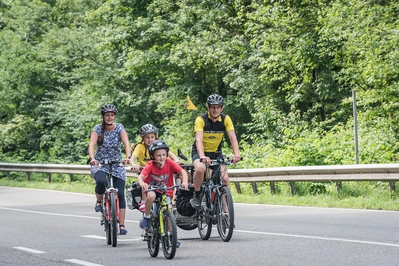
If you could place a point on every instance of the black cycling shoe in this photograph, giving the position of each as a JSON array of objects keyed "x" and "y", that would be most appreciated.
[{"x": 122, "y": 231}]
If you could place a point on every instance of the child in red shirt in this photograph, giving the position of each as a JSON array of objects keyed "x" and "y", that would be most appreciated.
[{"x": 159, "y": 172}]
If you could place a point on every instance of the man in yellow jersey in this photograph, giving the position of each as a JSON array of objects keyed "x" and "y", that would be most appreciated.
[{"x": 209, "y": 129}]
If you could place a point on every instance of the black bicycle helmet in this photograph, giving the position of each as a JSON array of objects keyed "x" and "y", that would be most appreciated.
[
  {"x": 215, "y": 99},
  {"x": 157, "y": 145},
  {"x": 108, "y": 108},
  {"x": 147, "y": 128}
]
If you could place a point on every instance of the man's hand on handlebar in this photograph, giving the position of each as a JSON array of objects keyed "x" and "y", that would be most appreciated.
[
  {"x": 206, "y": 160},
  {"x": 236, "y": 158}
]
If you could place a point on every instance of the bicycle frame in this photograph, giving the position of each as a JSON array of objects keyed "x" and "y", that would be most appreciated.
[{"x": 107, "y": 197}]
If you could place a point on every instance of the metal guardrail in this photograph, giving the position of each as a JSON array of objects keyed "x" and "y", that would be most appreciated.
[{"x": 327, "y": 173}]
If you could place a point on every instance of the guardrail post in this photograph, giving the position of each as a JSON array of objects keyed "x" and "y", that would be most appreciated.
[
  {"x": 238, "y": 188},
  {"x": 70, "y": 178},
  {"x": 272, "y": 187},
  {"x": 339, "y": 186},
  {"x": 254, "y": 188},
  {"x": 28, "y": 174},
  {"x": 49, "y": 177},
  {"x": 392, "y": 187},
  {"x": 8, "y": 175},
  {"x": 292, "y": 186}
]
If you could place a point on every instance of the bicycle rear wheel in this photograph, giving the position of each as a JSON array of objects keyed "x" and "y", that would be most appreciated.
[
  {"x": 225, "y": 214},
  {"x": 204, "y": 217},
  {"x": 153, "y": 237},
  {"x": 113, "y": 220},
  {"x": 169, "y": 240}
]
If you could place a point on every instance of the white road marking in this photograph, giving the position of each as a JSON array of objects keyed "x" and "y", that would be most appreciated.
[
  {"x": 82, "y": 262},
  {"x": 321, "y": 238},
  {"x": 30, "y": 250},
  {"x": 119, "y": 239},
  {"x": 57, "y": 214}
]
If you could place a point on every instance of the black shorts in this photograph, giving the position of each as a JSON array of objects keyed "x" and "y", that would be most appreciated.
[{"x": 212, "y": 155}]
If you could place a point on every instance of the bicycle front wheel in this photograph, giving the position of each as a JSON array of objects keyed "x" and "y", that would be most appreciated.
[
  {"x": 204, "y": 217},
  {"x": 225, "y": 214},
  {"x": 153, "y": 237},
  {"x": 113, "y": 220},
  {"x": 169, "y": 239},
  {"x": 107, "y": 228}
]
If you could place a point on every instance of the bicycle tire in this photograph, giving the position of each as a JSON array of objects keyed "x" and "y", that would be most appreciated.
[
  {"x": 107, "y": 228},
  {"x": 113, "y": 220},
  {"x": 169, "y": 240},
  {"x": 153, "y": 236},
  {"x": 225, "y": 221},
  {"x": 204, "y": 221},
  {"x": 188, "y": 227}
]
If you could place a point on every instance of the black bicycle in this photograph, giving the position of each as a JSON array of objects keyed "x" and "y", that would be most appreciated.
[
  {"x": 217, "y": 202},
  {"x": 110, "y": 205},
  {"x": 162, "y": 228}
]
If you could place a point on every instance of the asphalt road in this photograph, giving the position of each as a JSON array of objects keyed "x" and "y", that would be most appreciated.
[{"x": 40, "y": 227}]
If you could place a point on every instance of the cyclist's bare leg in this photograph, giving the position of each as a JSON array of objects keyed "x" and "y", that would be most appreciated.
[
  {"x": 99, "y": 199},
  {"x": 225, "y": 175},
  {"x": 148, "y": 203},
  {"x": 198, "y": 174},
  {"x": 122, "y": 215},
  {"x": 225, "y": 179}
]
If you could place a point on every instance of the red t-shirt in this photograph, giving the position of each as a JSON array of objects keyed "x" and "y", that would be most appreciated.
[{"x": 161, "y": 176}]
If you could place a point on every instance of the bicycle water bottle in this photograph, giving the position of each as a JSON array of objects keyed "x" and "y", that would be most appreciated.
[{"x": 213, "y": 195}]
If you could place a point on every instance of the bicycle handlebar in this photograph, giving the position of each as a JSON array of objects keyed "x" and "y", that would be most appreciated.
[
  {"x": 162, "y": 188},
  {"x": 110, "y": 162},
  {"x": 222, "y": 160}
]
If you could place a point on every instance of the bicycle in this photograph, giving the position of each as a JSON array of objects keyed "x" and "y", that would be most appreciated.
[
  {"x": 217, "y": 202},
  {"x": 110, "y": 205},
  {"x": 162, "y": 227}
]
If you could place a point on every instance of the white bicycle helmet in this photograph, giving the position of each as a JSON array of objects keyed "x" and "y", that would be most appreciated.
[{"x": 147, "y": 128}]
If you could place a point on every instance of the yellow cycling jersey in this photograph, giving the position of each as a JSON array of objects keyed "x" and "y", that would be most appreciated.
[
  {"x": 142, "y": 153},
  {"x": 213, "y": 131}
]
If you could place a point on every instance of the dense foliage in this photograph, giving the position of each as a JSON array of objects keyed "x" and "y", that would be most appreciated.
[{"x": 287, "y": 70}]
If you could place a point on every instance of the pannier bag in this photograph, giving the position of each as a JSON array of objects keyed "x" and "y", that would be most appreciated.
[
  {"x": 133, "y": 196},
  {"x": 183, "y": 204}
]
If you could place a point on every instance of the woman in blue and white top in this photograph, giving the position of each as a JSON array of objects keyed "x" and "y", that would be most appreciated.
[{"x": 108, "y": 136}]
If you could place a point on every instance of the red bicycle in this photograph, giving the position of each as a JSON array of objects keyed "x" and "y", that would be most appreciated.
[{"x": 110, "y": 213}]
